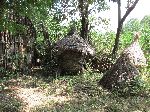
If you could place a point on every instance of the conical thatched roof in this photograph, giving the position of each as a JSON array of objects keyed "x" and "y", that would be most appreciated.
[
  {"x": 74, "y": 42},
  {"x": 72, "y": 53},
  {"x": 124, "y": 71},
  {"x": 121, "y": 72},
  {"x": 134, "y": 52}
]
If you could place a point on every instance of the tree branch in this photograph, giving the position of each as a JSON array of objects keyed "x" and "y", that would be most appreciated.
[
  {"x": 119, "y": 29},
  {"x": 92, "y": 8},
  {"x": 128, "y": 11}
]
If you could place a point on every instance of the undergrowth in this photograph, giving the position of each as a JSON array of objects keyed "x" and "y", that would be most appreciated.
[{"x": 82, "y": 92}]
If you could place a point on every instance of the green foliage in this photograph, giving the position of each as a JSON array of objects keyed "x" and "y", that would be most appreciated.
[
  {"x": 83, "y": 94},
  {"x": 103, "y": 41},
  {"x": 9, "y": 104},
  {"x": 103, "y": 44},
  {"x": 99, "y": 5},
  {"x": 83, "y": 88},
  {"x": 132, "y": 25}
]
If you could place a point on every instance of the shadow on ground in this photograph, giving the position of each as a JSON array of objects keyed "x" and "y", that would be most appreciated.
[{"x": 80, "y": 93}]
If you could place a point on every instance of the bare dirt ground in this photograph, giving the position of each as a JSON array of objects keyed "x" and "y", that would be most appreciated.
[{"x": 31, "y": 97}]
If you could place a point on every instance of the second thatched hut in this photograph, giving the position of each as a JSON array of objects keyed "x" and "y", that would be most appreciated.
[
  {"x": 123, "y": 73},
  {"x": 72, "y": 53}
]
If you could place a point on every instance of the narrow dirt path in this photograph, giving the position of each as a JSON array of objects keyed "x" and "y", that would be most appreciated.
[{"x": 34, "y": 97}]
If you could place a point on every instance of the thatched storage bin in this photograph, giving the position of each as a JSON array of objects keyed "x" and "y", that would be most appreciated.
[
  {"x": 72, "y": 53},
  {"x": 125, "y": 70}
]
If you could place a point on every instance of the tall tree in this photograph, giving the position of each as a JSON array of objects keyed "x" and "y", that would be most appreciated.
[
  {"x": 84, "y": 6},
  {"x": 130, "y": 6},
  {"x": 26, "y": 14},
  {"x": 85, "y": 11}
]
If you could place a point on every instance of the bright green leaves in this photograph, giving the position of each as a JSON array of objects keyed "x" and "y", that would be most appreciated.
[{"x": 132, "y": 25}]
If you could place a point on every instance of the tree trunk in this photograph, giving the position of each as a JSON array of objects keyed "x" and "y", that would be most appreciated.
[
  {"x": 46, "y": 36},
  {"x": 28, "y": 40},
  {"x": 84, "y": 18},
  {"x": 115, "y": 49},
  {"x": 120, "y": 24}
]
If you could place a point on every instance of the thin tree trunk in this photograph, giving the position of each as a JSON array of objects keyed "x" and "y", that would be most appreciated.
[
  {"x": 120, "y": 24},
  {"x": 115, "y": 49},
  {"x": 46, "y": 36}
]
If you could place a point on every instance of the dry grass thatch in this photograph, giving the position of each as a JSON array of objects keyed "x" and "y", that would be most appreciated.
[
  {"x": 124, "y": 71},
  {"x": 74, "y": 43},
  {"x": 72, "y": 52},
  {"x": 134, "y": 53},
  {"x": 101, "y": 63}
]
